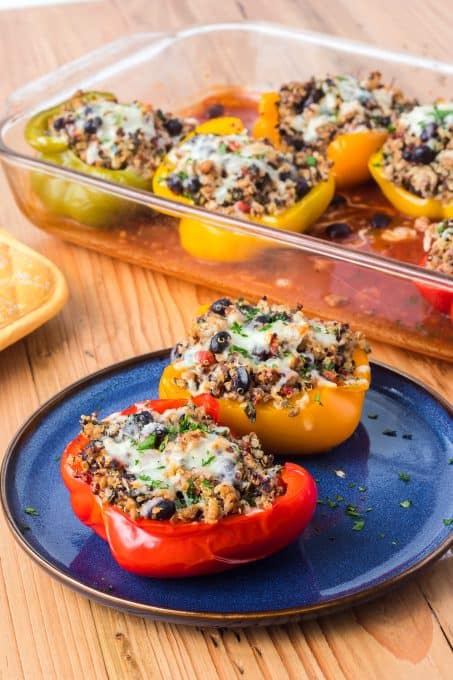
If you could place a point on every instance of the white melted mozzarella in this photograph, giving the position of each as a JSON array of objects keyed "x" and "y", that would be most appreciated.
[
  {"x": 230, "y": 165},
  {"x": 131, "y": 118},
  {"x": 210, "y": 454},
  {"x": 421, "y": 116}
]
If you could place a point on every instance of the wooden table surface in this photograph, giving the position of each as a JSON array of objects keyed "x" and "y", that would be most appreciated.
[{"x": 46, "y": 630}]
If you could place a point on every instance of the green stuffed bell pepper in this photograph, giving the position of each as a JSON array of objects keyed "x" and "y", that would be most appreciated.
[{"x": 94, "y": 134}]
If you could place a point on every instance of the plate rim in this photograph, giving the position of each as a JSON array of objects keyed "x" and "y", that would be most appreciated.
[{"x": 181, "y": 615}]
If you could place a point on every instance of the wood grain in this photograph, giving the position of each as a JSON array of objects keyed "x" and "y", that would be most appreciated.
[{"x": 48, "y": 631}]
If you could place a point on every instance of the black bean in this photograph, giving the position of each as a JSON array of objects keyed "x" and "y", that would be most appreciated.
[
  {"x": 338, "y": 230},
  {"x": 428, "y": 132},
  {"x": 241, "y": 382},
  {"x": 143, "y": 418},
  {"x": 302, "y": 188},
  {"x": 175, "y": 353},
  {"x": 263, "y": 318},
  {"x": 59, "y": 123},
  {"x": 164, "y": 508},
  {"x": 219, "y": 306},
  {"x": 262, "y": 355},
  {"x": 160, "y": 431},
  {"x": 382, "y": 121},
  {"x": 173, "y": 126},
  {"x": 295, "y": 142},
  {"x": 284, "y": 175},
  {"x": 314, "y": 97},
  {"x": 337, "y": 201},
  {"x": 215, "y": 110},
  {"x": 174, "y": 183},
  {"x": 219, "y": 342},
  {"x": 91, "y": 125},
  {"x": 193, "y": 185},
  {"x": 423, "y": 154},
  {"x": 237, "y": 194},
  {"x": 380, "y": 220},
  {"x": 407, "y": 154}
]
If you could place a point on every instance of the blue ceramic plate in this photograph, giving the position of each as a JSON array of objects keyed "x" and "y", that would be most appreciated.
[{"x": 384, "y": 495}]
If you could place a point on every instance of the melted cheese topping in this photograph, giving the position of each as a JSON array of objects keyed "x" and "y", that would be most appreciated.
[
  {"x": 208, "y": 453},
  {"x": 421, "y": 116}
]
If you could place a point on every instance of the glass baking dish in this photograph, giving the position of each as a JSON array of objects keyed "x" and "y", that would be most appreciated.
[{"x": 356, "y": 282}]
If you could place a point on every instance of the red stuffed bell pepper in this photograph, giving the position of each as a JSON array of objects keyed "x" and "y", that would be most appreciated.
[
  {"x": 156, "y": 482},
  {"x": 438, "y": 244}
]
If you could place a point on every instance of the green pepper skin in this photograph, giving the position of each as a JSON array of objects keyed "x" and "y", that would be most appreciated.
[{"x": 69, "y": 199}]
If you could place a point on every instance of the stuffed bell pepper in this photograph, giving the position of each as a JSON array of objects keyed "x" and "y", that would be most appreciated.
[
  {"x": 438, "y": 244},
  {"x": 339, "y": 116},
  {"x": 95, "y": 134},
  {"x": 299, "y": 383},
  {"x": 414, "y": 168},
  {"x": 222, "y": 169},
  {"x": 175, "y": 494}
]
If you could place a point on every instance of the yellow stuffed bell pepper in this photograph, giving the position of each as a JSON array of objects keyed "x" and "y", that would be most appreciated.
[
  {"x": 349, "y": 152},
  {"x": 405, "y": 201},
  {"x": 205, "y": 240},
  {"x": 329, "y": 418}
]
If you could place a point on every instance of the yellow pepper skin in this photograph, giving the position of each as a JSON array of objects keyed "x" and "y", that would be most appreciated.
[
  {"x": 206, "y": 241},
  {"x": 348, "y": 152},
  {"x": 69, "y": 199},
  {"x": 404, "y": 200},
  {"x": 330, "y": 417}
]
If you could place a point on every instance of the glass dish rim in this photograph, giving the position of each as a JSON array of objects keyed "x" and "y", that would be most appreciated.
[{"x": 162, "y": 39}]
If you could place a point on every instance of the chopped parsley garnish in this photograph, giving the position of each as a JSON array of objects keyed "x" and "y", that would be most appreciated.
[
  {"x": 404, "y": 476},
  {"x": 441, "y": 115},
  {"x": 208, "y": 460},
  {"x": 406, "y": 504},
  {"x": 351, "y": 485},
  {"x": 320, "y": 501},
  {"x": 372, "y": 416},
  {"x": 25, "y": 527},
  {"x": 249, "y": 312},
  {"x": 448, "y": 522},
  {"x": 450, "y": 461},
  {"x": 31, "y": 511},
  {"x": 317, "y": 399},
  {"x": 351, "y": 511},
  {"x": 394, "y": 542},
  {"x": 207, "y": 484},
  {"x": 240, "y": 350},
  {"x": 332, "y": 504},
  {"x": 362, "y": 489},
  {"x": 147, "y": 443},
  {"x": 358, "y": 526},
  {"x": 183, "y": 175},
  {"x": 191, "y": 493},
  {"x": 407, "y": 435},
  {"x": 266, "y": 327},
  {"x": 237, "y": 328},
  {"x": 187, "y": 425},
  {"x": 389, "y": 433},
  {"x": 311, "y": 161},
  {"x": 222, "y": 147},
  {"x": 57, "y": 459}
]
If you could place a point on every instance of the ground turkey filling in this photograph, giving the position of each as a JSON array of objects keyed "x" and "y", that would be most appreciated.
[
  {"x": 178, "y": 466},
  {"x": 235, "y": 174},
  {"x": 311, "y": 114},
  {"x": 106, "y": 134},
  {"x": 266, "y": 352},
  {"x": 438, "y": 244},
  {"x": 418, "y": 156}
]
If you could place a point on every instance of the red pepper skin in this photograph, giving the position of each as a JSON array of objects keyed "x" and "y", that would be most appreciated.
[
  {"x": 440, "y": 299},
  {"x": 164, "y": 550}
]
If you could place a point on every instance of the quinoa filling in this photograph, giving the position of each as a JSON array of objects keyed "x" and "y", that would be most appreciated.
[
  {"x": 438, "y": 244},
  {"x": 418, "y": 156},
  {"x": 179, "y": 466},
  {"x": 311, "y": 114},
  {"x": 266, "y": 352},
  {"x": 235, "y": 174},
  {"x": 107, "y": 134}
]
